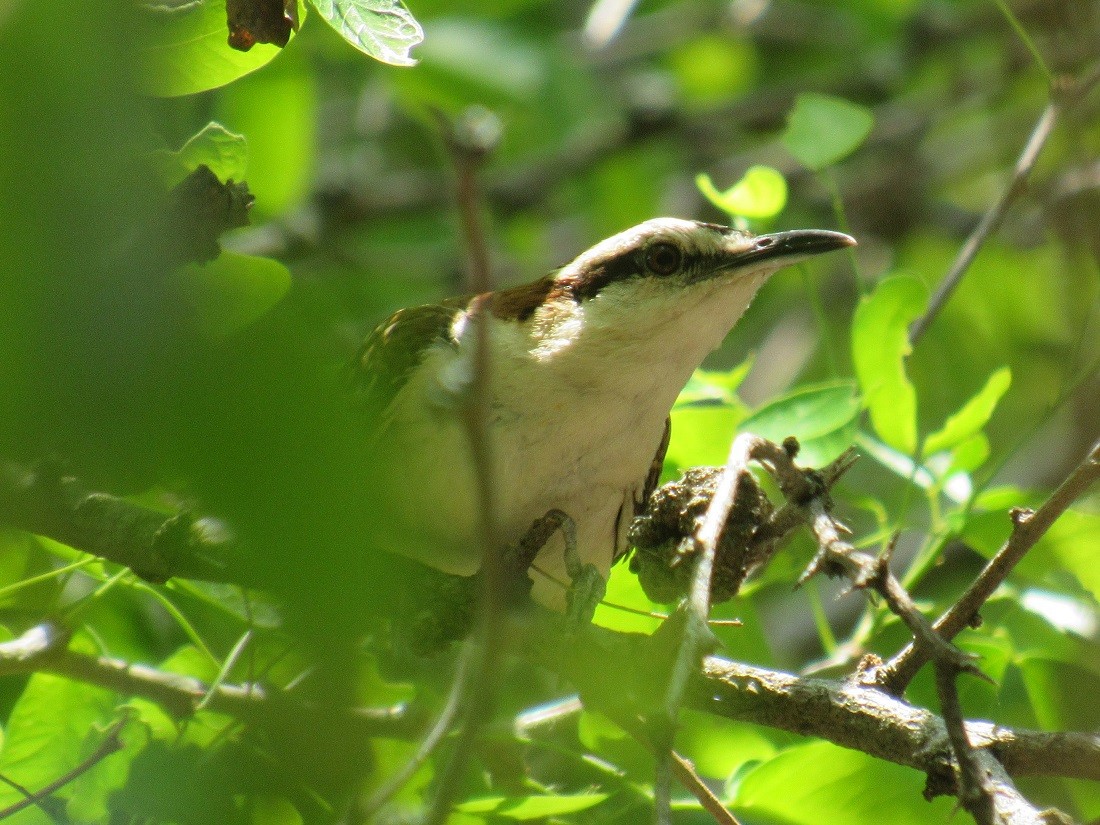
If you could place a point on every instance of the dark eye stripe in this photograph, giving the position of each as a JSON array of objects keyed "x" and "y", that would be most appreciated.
[{"x": 621, "y": 267}]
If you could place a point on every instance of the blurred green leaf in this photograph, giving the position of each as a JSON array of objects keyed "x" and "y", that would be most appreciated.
[
  {"x": 224, "y": 152},
  {"x": 277, "y": 110},
  {"x": 1072, "y": 543},
  {"x": 717, "y": 747},
  {"x": 822, "y": 130},
  {"x": 714, "y": 67},
  {"x": 55, "y": 724},
  {"x": 382, "y": 29},
  {"x": 973, "y": 415},
  {"x": 523, "y": 808},
  {"x": 715, "y": 385},
  {"x": 761, "y": 193},
  {"x": 273, "y": 810},
  {"x": 623, "y": 590},
  {"x": 970, "y": 454},
  {"x": 880, "y": 344},
  {"x": 822, "y": 417},
  {"x": 701, "y": 434},
  {"x": 854, "y": 788},
  {"x": 232, "y": 291},
  {"x": 1056, "y": 689},
  {"x": 90, "y": 793},
  {"x": 185, "y": 49}
]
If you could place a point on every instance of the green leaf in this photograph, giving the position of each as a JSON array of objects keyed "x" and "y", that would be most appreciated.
[
  {"x": 822, "y": 417},
  {"x": 718, "y": 747},
  {"x": 273, "y": 810},
  {"x": 232, "y": 291},
  {"x": 822, "y": 130},
  {"x": 1056, "y": 689},
  {"x": 224, "y": 152},
  {"x": 761, "y": 193},
  {"x": 90, "y": 792},
  {"x": 973, "y": 415},
  {"x": 715, "y": 385},
  {"x": 970, "y": 454},
  {"x": 880, "y": 343},
  {"x": 853, "y": 787},
  {"x": 277, "y": 109},
  {"x": 1072, "y": 543},
  {"x": 623, "y": 589},
  {"x": 701, "y": 434},
  {"x": 383, "y": 29},
  {"x": 185, "y": 49},
  {"x": 532, "y": 807},
  {"x": 55, "y": 723}
]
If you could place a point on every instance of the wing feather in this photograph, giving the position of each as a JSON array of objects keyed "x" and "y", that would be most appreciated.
[{"x": 391, "y": 353}]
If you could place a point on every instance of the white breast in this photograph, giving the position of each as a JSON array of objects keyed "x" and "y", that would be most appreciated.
[{"x": 579, "y": 402}]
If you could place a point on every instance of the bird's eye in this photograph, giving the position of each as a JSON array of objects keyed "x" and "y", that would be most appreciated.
[{"x": 663, "y": 258}]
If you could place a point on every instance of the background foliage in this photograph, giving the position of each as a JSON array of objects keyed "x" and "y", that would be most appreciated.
[{"x": 212, "y": 387}]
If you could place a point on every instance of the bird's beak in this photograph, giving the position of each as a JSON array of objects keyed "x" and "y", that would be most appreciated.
[{"x": 784, "y": 248}]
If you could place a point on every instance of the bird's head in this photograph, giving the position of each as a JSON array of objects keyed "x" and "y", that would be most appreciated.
[
  {"x": 665, "y": 270},
  {"x": 670, "y": 256}
]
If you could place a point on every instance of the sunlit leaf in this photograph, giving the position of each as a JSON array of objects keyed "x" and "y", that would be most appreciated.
[
  {"x": 1056, "y": 688},
  {"x": 54, "y": 724},
  {"x": 223, "y": 151},
  {"x": 853, "y": 787},
  {"x": 274, "y": 810},
  {"x": 383, "y": 29},
  {"x": 761, "y": 193},
  {"x": 715, "y": 385},
  {"x": 531, "y": 807},
  {"x": 822, "y": 417},
  {"x": 624, "y": 590},
  {"x": 970, "y": 454},
  {"x": 822, "y": 130},
  {"x": 701, "y": 434},
  {"x": 880, "y": 344},
  {"x": 973, "y": 415},
  {"x": 185, "y": 48}
]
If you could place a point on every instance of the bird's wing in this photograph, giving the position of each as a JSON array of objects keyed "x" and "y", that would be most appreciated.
[
  {"x": 395, "y": 349},
  {"x": 654, "y": 477}
]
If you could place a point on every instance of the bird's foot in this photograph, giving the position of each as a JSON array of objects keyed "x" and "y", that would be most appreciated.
[{"x": 586, "y": 586}]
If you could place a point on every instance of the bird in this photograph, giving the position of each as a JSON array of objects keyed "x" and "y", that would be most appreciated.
[{"x": 583, "y": 368}]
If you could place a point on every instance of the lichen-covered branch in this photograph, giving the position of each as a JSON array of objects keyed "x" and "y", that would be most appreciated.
[
  {"x": 155, "y": 545},
  {"x": 870, "y": 720}
]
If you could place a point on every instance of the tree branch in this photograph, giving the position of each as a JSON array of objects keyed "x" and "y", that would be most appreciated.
[
  {"x": 867, "y": 719},
  {"x": 44, "y": 649},
  {"x": 154, "y": 545}
]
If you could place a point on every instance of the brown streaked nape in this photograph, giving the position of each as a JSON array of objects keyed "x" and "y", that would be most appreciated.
[
  {"x": 620, "y": 266},
  {"x": 520, "y": 302}
]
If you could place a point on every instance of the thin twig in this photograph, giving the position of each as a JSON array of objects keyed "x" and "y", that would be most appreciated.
[
  {"x": 468, "y": 145},
  {"x": 111, "y": 744},
  {"x": 443, "y": 725},
  {"x": 992, "y": 218},
  {"x": 43, "y": 649},
  {"x": 1028, "y": 527},
  {"x": 685, "y": 772},
  {"x": 695, "y": 632},
  {"x": 974, "y": 792},
  {"x": 679, "y": 767}
]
